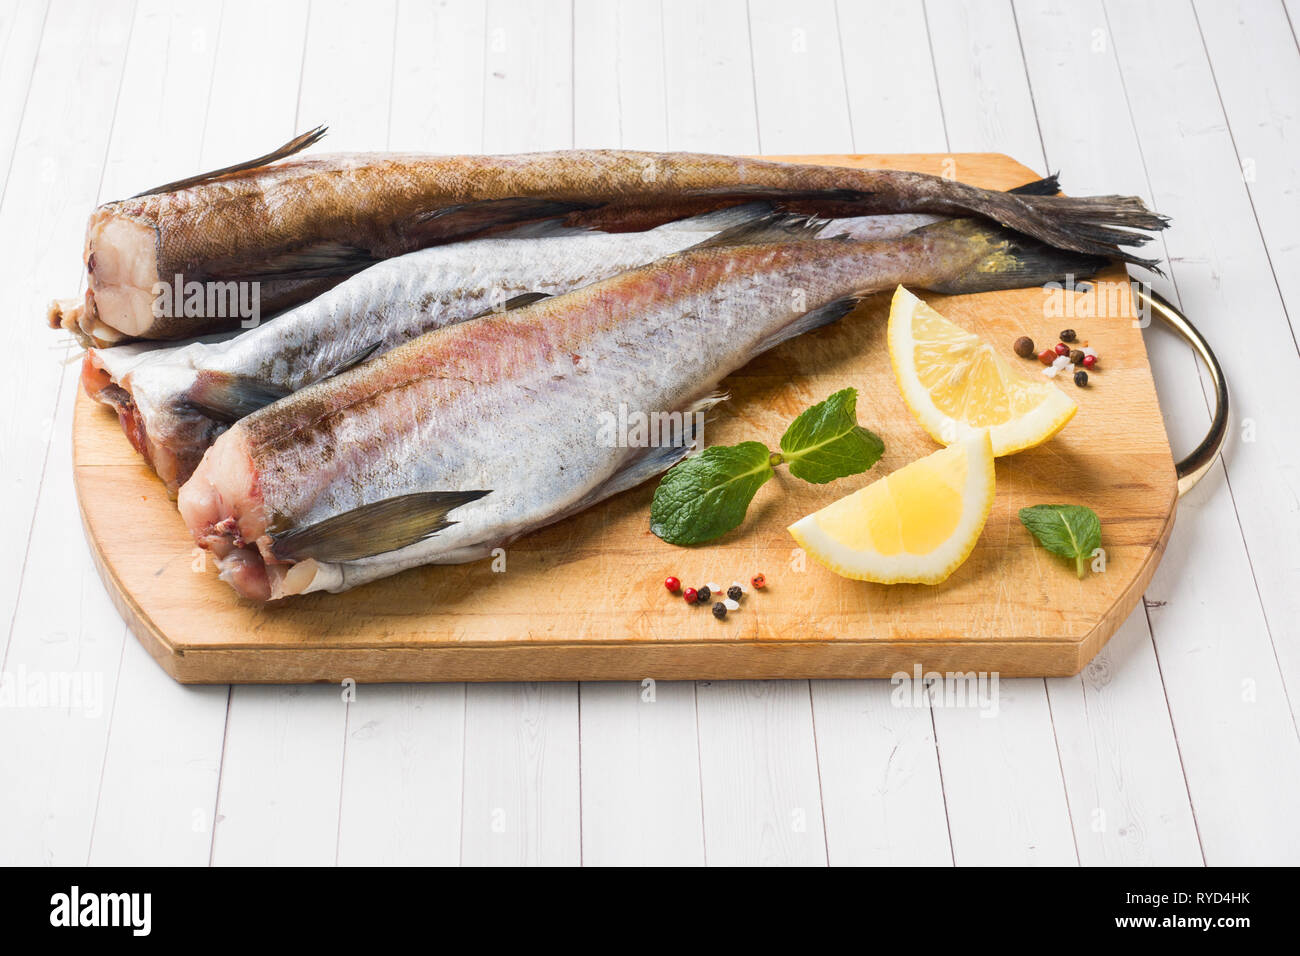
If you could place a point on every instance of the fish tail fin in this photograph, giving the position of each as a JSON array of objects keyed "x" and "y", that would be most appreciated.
[
  {"x": 993, "y": 258},
  {"x": 1047, "y": 186},
  {"x": 295, "y": 145},
  {"x": 1096, "y": 225}
]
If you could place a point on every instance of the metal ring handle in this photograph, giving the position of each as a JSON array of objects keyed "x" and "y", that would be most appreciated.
[{"x": 1191, "y": 469}]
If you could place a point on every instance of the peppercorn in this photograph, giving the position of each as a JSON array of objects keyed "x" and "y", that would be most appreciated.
[
  {"x": 719, "y": 610},
  {"x": 1024, "y": 346},
  {"x": 1076, "y": 356},
  {"x": 758, "y": 581},
  {"x": 703, "y": 594},
  {"x": 734, "y": 592},
  {"x": 1089, "y": 361},
  {"x": 672, "y": 584},
  {"x": 1068, "y": 335},
  {"x": 1061, "y": 348},
  {"x": 1081, "y": 378},
  {"x": 690, "y": 595},
  {"x": 1047, "y": 356}
]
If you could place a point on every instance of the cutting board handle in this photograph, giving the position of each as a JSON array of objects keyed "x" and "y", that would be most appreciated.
[{"x": 1191, "y": 469}]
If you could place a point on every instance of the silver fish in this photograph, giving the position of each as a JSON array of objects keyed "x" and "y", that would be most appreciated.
[
  {"x": 465, "y": 438},
  {"x": 174, "y": 401}
]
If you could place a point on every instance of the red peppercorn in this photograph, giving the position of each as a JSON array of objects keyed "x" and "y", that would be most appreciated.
[
  {"x": 1062, "y": 348},
  {"x": 1047, "y": 356},
  {"x": 1089, "y": 361},
  {"x": 758, "y": 581},
  {"x": 673, "y": 585},
  {"x": 689, "y": 595}
]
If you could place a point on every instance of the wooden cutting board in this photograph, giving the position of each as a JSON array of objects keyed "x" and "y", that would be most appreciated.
[{"x": 584, "y": 599}]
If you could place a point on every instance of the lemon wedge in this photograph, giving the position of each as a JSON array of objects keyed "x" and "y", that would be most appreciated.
[
  {"x": 957, "y": 385},
  {"x": 915, "y": 525}
]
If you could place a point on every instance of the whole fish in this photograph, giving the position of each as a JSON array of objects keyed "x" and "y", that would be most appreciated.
[
  {"x": 173, "y": 402},
  {"x": 501, "y": 422},
  {"x": 296, "y": 226}
]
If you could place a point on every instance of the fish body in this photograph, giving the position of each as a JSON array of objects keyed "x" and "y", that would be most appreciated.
[
  {"x": 174, "y": 401},
  {"x": 299, "y": 225},
  {"x": 486, "y": 430}
]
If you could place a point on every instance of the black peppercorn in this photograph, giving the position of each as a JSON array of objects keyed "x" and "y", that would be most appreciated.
[
  {"x": 1081, "y": 378},
  {"x": 719, "y": 610},
  {"x": 703, "y": 594},
  {"x": 1068, "y": 335},
  {"x": 734, "y": 592}
]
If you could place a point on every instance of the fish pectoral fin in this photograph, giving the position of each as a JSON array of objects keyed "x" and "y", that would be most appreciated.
[
  {"x": 375, "y": 528},
  {"x": 295, "y": 145},
  {"x": 825, "y": 315},
  {"x": 469, "y": 219},
  {"x": 515, "y": 302},
  {"x": 352, "y": 361},
  {"x": 313, "y": 262},
  {"x": 225, "y": 397}
]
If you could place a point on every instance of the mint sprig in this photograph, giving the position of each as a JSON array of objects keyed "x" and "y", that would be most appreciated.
[
  {"x": 1072, "y": 531},
  {"x": 707, "y": 495}
]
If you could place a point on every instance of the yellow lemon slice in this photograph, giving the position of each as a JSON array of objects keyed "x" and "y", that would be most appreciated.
[
  {"x": 915, "y": 525},
  {"x": 957, "y": 385}
]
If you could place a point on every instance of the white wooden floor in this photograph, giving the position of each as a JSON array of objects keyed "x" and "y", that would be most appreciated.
[{"x": 1177, "y": 745}]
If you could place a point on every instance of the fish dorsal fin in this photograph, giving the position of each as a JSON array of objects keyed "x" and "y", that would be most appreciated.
[
  {"x": 1048, "y": 186},
  {"x": 375, "y": 528},
  {"x": 824, "y": 315},
  {"x": 775, "y": 227},
  {"x": 353, "y": 360},
  {"x": 295, "y": 145}
]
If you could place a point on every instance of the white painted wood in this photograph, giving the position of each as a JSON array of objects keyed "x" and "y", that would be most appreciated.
[
  {"x": 882, "y": 794},
  {"x": 798, "y": 81},
  {"x": 893, "y": 97},
  {"x": 438, "y": 77},
  {"x": 1247, "y": 42},
  {"x": 58, "y": 622},
  {"x": 20, "y": 39},
  {"x": 521, "y": 803},
  {"x": 528, "y": 94},
  {"x": 619, "y": 87},
  {"x": 402, "y": 776},
  {"x": 167, "y": 739},
  {"x": 709, "y": 77},
  {"x": 640, "y": 775},
  {"x": 347, "y": 73},
  {"x": 1118, "y": 753},
  {"x": 758, "y": 770},
  {"x": 1005, "y": 797},
  {"x": 1225, "y": 650}
]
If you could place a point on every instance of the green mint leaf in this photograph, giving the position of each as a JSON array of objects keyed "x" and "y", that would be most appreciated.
[
  {"x": 826, "y": 442},
  {"x": 707, "y": 495},
  {"x": 1072, "y": 531}
]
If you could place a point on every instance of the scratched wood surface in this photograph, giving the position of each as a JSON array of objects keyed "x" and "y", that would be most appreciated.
[{"x": 583, "y": 599}]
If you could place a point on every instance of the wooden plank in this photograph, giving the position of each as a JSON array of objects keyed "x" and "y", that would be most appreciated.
[
  {"x": 521, "y": 802},
  {"x": 529, "y": 63},
  {"x": 438, "y": 100},
  {"x": 20, "y": 38},
  {"x": 709, "y": 77},
  {"x": 1111, "y": 728},
  {"x": 55, "y": 639},
  {"x": 1226, "y": 650},
  {"x": 619, "y": 83},
  {"x": 892, "y": 91}
]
